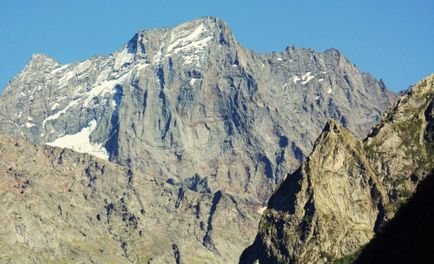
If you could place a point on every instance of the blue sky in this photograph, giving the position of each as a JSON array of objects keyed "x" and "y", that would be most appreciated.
[{"x": 393, "y": 40}]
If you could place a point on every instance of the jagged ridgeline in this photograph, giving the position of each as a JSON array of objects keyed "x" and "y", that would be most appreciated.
[
  {"x": 201, "y": 128},
  {"x": 191, "y": 101},
  {"x": 347, "y": 189}
]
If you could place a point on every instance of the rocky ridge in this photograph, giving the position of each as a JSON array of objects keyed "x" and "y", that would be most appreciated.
[
  {"x": 347, "y": 189},
  {"x": 60, "y": 206}
]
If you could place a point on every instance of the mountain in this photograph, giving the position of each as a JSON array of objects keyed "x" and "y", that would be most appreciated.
[
  {"x": 60, "y": 206},
  {"x": 347, "y": 188},
  {"x": 196, "y": 132},
  {"x": 191, "y": 102}
]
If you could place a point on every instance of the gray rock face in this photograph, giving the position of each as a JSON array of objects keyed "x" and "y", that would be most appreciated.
[
  {"x": 347, "y": 189},
  {"x": 191, "y": 101},
  {"x": 60, "y": 206}
]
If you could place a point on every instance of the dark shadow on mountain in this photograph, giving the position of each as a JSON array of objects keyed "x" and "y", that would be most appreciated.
[{"x": 409, "y": 236}]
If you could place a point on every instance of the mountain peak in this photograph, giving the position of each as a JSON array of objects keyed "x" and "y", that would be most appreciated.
[
  {"x": 208, "y": 20},
  {"x": 189, "y": 37},
  {"x": 424, "y": 86},
  {"x": 332, "y": 126},
  {"x": 189, "y": 40},
  {"x": 334, "y": 135},
  {"x": 39, "y": 59}
]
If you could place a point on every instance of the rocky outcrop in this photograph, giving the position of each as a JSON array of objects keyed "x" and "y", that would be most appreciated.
[
  {"x": 59, "y": 206},
  {"x": 347, "y": 189},
  {"x": 190, "y": 101}
]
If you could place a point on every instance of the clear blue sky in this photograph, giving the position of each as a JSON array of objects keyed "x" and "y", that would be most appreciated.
[{"x": 393, "y": 40}]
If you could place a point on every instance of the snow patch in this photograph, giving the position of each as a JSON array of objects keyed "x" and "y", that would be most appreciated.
[
  {"x": 184, "y": 37},
  {"x": 80, "y": 142},
  {"x": 329, "y": 91},
  {"x": 54, "y": 106},
  {"x": 191, "y": 42},
  {"x": 320, "y": 80},
  {"x": 103, "y": 88},
  {"x": 306, "y": 78},
  {"x": 192, "y": 81},
  {"x": 199, "y": 45},
  {"x": 279, "y": 59},
  {"x": 29, "y": 125},
  {"x": 295, "y": 79}
]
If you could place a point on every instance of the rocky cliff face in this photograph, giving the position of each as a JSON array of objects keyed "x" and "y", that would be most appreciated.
[
  {"x": 59, "y": 206},
  {"x": 191, "y": 101},
  {"x": 346, "y": 189}
]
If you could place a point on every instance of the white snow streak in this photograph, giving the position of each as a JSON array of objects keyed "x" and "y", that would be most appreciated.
[
  {"x": 306, "y": 78},
  {"x": 54, "y": 106},
  {"x": 57, "y": 115},
  {"x": 61, "y": 68},
  {"x": 103, "y": 88},
  {"x": 183, "y": 41},
  {"x": 191, "y": 42}
]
